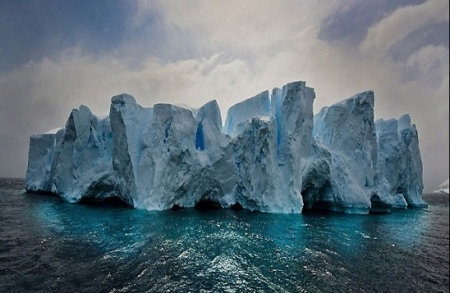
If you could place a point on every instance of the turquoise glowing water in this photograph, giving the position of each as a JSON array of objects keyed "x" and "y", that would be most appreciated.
[{"x": 47, "y": 245}]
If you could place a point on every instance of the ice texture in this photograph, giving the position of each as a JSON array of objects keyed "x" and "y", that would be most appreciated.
[
  {"x": 347, "y": 131},
  {"x": 271, "y": 155},
  {"x": 244, "y": 111},
  {"x": 40, "y": 158},
  {"x": 399, "y": 159},
  {"x": 82, "y": 157}
]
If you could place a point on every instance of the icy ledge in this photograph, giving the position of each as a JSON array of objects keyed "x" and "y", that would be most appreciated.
[{"x": 272, "y": 155}]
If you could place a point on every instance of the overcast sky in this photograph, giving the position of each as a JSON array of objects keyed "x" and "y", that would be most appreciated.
[{"x": 56, "y": 55}]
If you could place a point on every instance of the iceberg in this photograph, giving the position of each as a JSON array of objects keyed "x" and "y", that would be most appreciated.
[
  {"x": 443, "y": 188},
  {"x": 399, "y": 160},
  {"x": 347, "y": 131},
  {"x": 40, "y": 158},
  {"x": 272, "y": 154}
]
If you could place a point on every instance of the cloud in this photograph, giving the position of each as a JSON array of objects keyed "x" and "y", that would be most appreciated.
[
  {"x": 279, "y": 43},
  {"x": 239, "y": 28},
  {"x": 402, "y": 22},
  {"x": 349, "y": 24},
  {"x": 74, "y": 79},
  {"x": 39, "y": 96},
  {"x": 192, "y": 52},
  {"x": 32, "y": 30},
  {"x": 429, "y": 62}
]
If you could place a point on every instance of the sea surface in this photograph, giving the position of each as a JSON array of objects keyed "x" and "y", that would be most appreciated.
[{"x": 47, "y": 245}]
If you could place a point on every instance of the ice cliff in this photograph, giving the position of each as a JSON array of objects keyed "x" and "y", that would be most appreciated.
[{"x": 272, "y": 155}]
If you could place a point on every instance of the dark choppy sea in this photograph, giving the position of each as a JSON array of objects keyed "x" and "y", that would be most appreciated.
[{"x": 47, "y": 245}]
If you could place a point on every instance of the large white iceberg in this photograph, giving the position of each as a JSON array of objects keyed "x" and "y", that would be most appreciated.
[{"x": 272, "y": 155}]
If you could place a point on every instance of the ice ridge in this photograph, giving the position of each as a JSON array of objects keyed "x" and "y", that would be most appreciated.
[{"x": 271, "y": 155}]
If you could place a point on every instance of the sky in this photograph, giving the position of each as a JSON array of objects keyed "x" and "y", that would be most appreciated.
[{"x": 56, "y": 55}]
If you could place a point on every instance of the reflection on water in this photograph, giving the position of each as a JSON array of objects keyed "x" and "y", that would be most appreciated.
[{"x": 47, "y": 245}]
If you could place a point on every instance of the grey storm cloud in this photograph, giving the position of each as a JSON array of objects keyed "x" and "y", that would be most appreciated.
[{"x": 63, "y": 55}]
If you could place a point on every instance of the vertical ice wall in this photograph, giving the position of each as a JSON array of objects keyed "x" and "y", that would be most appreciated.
[
  {"x": 271, "y": 142},
  {"x": 400, "y": 161},
  {"x": 244, "y": 111},
  {"x": 82, "y": 156},
  {"x": 40, "y": 158},
  {"x": 347, "y": 131},
  {"x": 128, "y": 120},
  {"x": 185, "y": 159}
]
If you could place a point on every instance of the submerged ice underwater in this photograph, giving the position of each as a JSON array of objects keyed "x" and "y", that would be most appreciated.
[{"x": 272, "y": 155}]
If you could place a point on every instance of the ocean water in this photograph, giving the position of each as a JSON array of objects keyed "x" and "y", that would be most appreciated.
[{"x": 47, "y": 245}]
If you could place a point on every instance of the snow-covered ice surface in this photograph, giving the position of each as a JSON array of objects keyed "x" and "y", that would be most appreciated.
[{"x": 272, "y": 155}]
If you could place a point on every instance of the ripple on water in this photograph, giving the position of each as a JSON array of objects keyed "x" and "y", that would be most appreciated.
[{"x": 47, "y": 245}]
